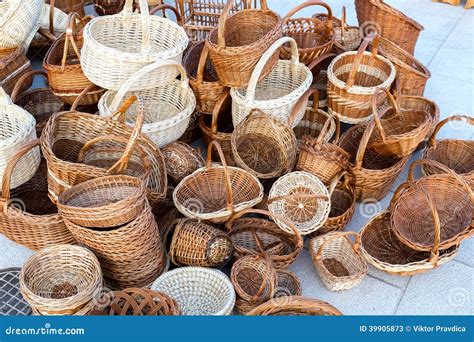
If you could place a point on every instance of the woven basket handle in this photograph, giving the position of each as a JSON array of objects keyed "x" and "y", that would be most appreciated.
[
  {"x": 228, "y": 183},
  {"x": 308, "y": 4},
  {"x": 297, "y": 196},
  {"x": 81, "y": 95},
  {"x": 337, "y": 178},
  {"x": 222, "y": 21},
  {"x": 106, "y": 138},
  {"x": 374, "y": 38},
  {"x": 355, "y": 245},
  {"x": 343, "y": 22},
  {"x": 11, "y": 166},
  {"x": 51, "y": 16},
  {"x": 295, "y": 59},
  {"x": 164, "y": 7},
  {"x": 217, "y": 108},
  {"x": 394, "y": 104},
  {"x": 22, "y": 80},
  {"x": 302, "y": 103},
  {"x": 70, "y": 25},
  {"x": 325, "y": 129},
  {"x": 202, "y": 64},
  {"x": 143, "y": 72},
  {"x": 443, "y": 168},
  {"x": 465, "y": 118},
  {"x": 145, "y": 19}
]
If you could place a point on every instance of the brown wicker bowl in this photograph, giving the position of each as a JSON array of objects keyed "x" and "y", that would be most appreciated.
[{"x": 295, "y": 306}]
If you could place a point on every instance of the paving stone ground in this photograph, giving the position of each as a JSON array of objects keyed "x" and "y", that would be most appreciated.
[{"x": 446, "y": 47}]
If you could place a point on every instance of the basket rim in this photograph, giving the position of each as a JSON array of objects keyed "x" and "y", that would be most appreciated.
[{"x": 28, "y": 125}]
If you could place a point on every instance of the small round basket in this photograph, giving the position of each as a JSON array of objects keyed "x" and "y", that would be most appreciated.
[
  {"x": 338, "y": 260},
  {"x": 199, "y": 291},
  {"x": 347, "y": 38},
  {"x": 136, "y": 302},
  {"x": 196, "y": 243},
  {"x": 181, "y": 160},
  {"x": 302, "y": 199},
  {"x": 295, "y": 306},
  {"x": 202, "y": 195},
  {"x": 60, "y": 280}
]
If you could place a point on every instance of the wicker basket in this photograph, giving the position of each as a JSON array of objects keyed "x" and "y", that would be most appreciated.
[
  {"x": 295, "y": 306},
  {"x": 238, "y": 42},
  {"x": 52, "y": 24},
  {"x": 347, "y": 38},
  {"x": 373, "y": 174},
  {"x": 451, "y": 197},
  {"x": 313, "y": 37},
  {"x": 66, "y": 134},
  {"x": 168, "y": 107},
  {"x": 198, "y": 291},
  {"x": 215, "y": 192},
  {"x": 201, "y": 16},
  {"x": 202, "y": 77},
  {"x": 338, "y": 260},
  {"x": 18, "y": 20},
  {"x": 103, "y": 202},
  {"x": 411, "y": 73},
  {"x": 60, "y": 280},
  {"x": 13, "y": 65},
  {"x": 457, "y": 154},
  {"x": 218, "y": 127},
  {"x": 131, "y": 255},
  {"x": 353, "y": 78},
  {"x": 278, "y": 93},
  {"x": 301, "y": 199},
  {"x": 199, "y": 244},
  {"x": 17, "y": 127},
  {"x": 264, "y": 146},
  {"x": 399, "y": 132},
  {"x": 392, "y": 24},
  {"x": 65, "y": 74},
  {"x": 40, "y": 102},
  {"x": 116, "y": 47},
  {"x": 28, "y": 216},
  {"x": 323, "y": 159},
  {"x": 181, "y": 160},
  {"x": 253, "y": 235},
  {"x": 108, "y": 7},
  {"x": 192, "y": 133}
]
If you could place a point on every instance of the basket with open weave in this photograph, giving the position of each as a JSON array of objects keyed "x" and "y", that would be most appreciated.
[{"x": 295, "y": 306}]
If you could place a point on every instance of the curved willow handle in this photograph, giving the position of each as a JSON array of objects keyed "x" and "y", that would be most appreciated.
[
  {"x": 19, "y": 83},
  {"x": 164, "y": 7},
  {"x": 355, "y": 246},
  {"x": 358, "y": 58},
  {"x": 217, "y": 108},
  {"x": 69, "y": 37},
  {"x": 375, "y": 109},
  {"x": 468, "y": 119}
]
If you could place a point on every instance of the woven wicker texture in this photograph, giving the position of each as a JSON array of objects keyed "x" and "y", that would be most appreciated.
[
  {"x": 338, "y": 260},
  {"x": 323, "y": 159},
  {"x": 13, "y": 303},
  {"x": 17, "y": 127},
  {"x": 199, "y": 291},
  {"x": 254, "y": 235},
  {"x": 295, "y": 306},
  {"x": 131, "y": 255},
  {"x": 373, "y": 174},
  {"x": 313, "y": 37},
  {"x": 13, "y": 65},
  {"x": 398, "y": 132},
  {"x": 103, "y": 202},
  {"x": 202, "y": 77},
  {"x": 215, "y": 192},
  {"x": 137, "y": 302},
  {"x": 18, "y": 18},
  {"x": 353, "y": 78},
  {"x": 69, "y": 6},
  {"x": 456, "y": 154},
  {"x": 393, "y": 24},
  {"x": 218, "y": 127},
  {"x": 302, "y": 199},
  {"x": 452, "y": 199},
  {"x": 28, "y": 217},
  {"x": 117, "y": 46},
  {"x": 168, "y": 108},
  {"x": 41, "y": 102},
  {"x": 51, "y": 25},
  {"x": 181, "y": 160},
  {"x": 347, "y": 38},
  {"x": 108, "y": 7},
  {"x": 60, "y": 280},
  {"x": 238, "y": 42},
  {"x": 199, "y": 244},
  {"x": 278, "y": 93},
  {"x": 66, "y": 134}
]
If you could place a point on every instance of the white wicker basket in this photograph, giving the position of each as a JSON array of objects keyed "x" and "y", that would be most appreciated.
[
  {"x": 59, "y": 21},
  {"x": 278, "y": 92},
  {"x": 302, "y": 199},
  {"x": 18, "y": 18},
  {"x": 199, "y": 291},
  {"x": 117, "y": 46},
  {"x": 17, "y": 127},
  {"x": 168, "y": 108}
]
